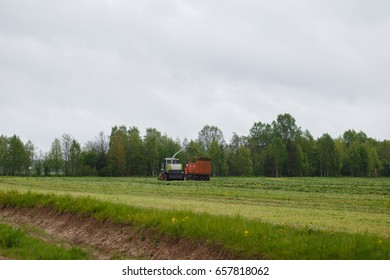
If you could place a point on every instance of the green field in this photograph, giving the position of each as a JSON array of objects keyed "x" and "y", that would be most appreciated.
[{"x": 355, "y": 206}]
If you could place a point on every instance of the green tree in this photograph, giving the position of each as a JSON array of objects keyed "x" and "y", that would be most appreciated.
[
  {"x": 89, "y": 158},
  {"x": 74, "y": 158},
  {"x": 99, "y": 148},
  {"x": 46, "y": 164},
  {"x": 38, "y": 164},
  {"x": 361, "y": 155},
  {"x": 353, "y": 142},
  {"x": 135, "y": 158},
  {"x": 309, "y": 160},
  {"x": 341, "y": 155},
  {"x": 351, "y": 136},
  {"x": 240, "y": 163},
  {"x": 218, "y": 157},
  {"x": 276, "y": 155},
  {"x": 17, "y": 160},
  {"x": 239, "y": 157},
  {"x": 260, "y": 136},
  {"x": 384, "y": 156},
  {"x": 374, "y": 162},
  {"x": 29, "y": 148},
  {"x": 168, "y": 146},
  {"x": 212, "y": 141},
  {"x": 152, "y": 144},
  {"x": 299, "y": 159},
  {"x": 327, "y": 156},
  {"x": 286, "y": 129},
  {"x": 55, "y": 157},
  {"x": 210, "y": 134},
  {"x": 66, "y": 141},
  {"x": 358, "y": 158},
  {"x": 117, "y": 152},
  {"x": 3, "y": 154},
  {"x": 194, "y": 149}
]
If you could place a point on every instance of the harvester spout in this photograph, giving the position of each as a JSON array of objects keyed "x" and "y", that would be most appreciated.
[{"x": 179, "y": 152}]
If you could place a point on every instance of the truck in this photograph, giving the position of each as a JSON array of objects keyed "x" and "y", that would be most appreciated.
[{"x": 198, "y": 168}]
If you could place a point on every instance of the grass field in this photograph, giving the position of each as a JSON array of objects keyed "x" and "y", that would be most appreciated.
[{"x": 341, "y": 208}]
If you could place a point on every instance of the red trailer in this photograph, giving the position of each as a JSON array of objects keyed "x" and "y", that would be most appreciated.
[{"x": 198, "y": 169}]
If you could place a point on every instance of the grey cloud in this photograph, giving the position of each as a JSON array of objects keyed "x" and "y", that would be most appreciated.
[{"x": 84, "y": 66}]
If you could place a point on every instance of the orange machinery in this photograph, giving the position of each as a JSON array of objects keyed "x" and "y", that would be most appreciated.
[{"x": 198, "y": 169}]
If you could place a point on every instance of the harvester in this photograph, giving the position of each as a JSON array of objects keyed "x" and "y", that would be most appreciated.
[
  {"x": 198, "y": 168},
  {"x": 171, "y": 169}
]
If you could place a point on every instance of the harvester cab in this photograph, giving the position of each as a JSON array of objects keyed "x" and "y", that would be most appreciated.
[{"x": 171, "y": 169}]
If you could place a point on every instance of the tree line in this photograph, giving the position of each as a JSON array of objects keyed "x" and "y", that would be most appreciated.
[{"x": 280, "y": 148}]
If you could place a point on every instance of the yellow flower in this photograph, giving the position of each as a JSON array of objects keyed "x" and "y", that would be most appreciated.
[
  {"x": 186, "y": 219},
  {"x": 246, "y": 232},
  {"x": 174, "y": 220},
  {"x": 379, "y": 243}
]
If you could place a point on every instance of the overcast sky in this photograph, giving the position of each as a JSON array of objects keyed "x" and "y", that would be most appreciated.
[{"x": 83, "y": 66}]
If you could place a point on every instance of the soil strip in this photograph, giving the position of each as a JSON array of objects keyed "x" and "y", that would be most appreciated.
[{"x": 109, "y": 240}]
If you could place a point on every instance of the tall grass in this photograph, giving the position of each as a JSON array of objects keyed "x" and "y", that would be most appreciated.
[{"x": 244, "y": 238}]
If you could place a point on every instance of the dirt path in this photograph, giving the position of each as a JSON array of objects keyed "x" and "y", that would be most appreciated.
[{"x": 107, "y": 240}]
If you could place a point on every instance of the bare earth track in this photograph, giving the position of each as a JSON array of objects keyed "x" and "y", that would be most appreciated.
[{"x": 108, "y": 240}]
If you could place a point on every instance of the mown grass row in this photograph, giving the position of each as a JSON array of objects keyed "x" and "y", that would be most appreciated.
[
  {"x": 244, "y": 238},
  {"x": 15, "y": 243},
  {"x": 365, "y": 194}
]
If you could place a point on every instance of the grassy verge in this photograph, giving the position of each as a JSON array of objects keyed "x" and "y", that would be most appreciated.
[
  {"x": 245, "y": 238},
  {"x": 16, "y": 244}
]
